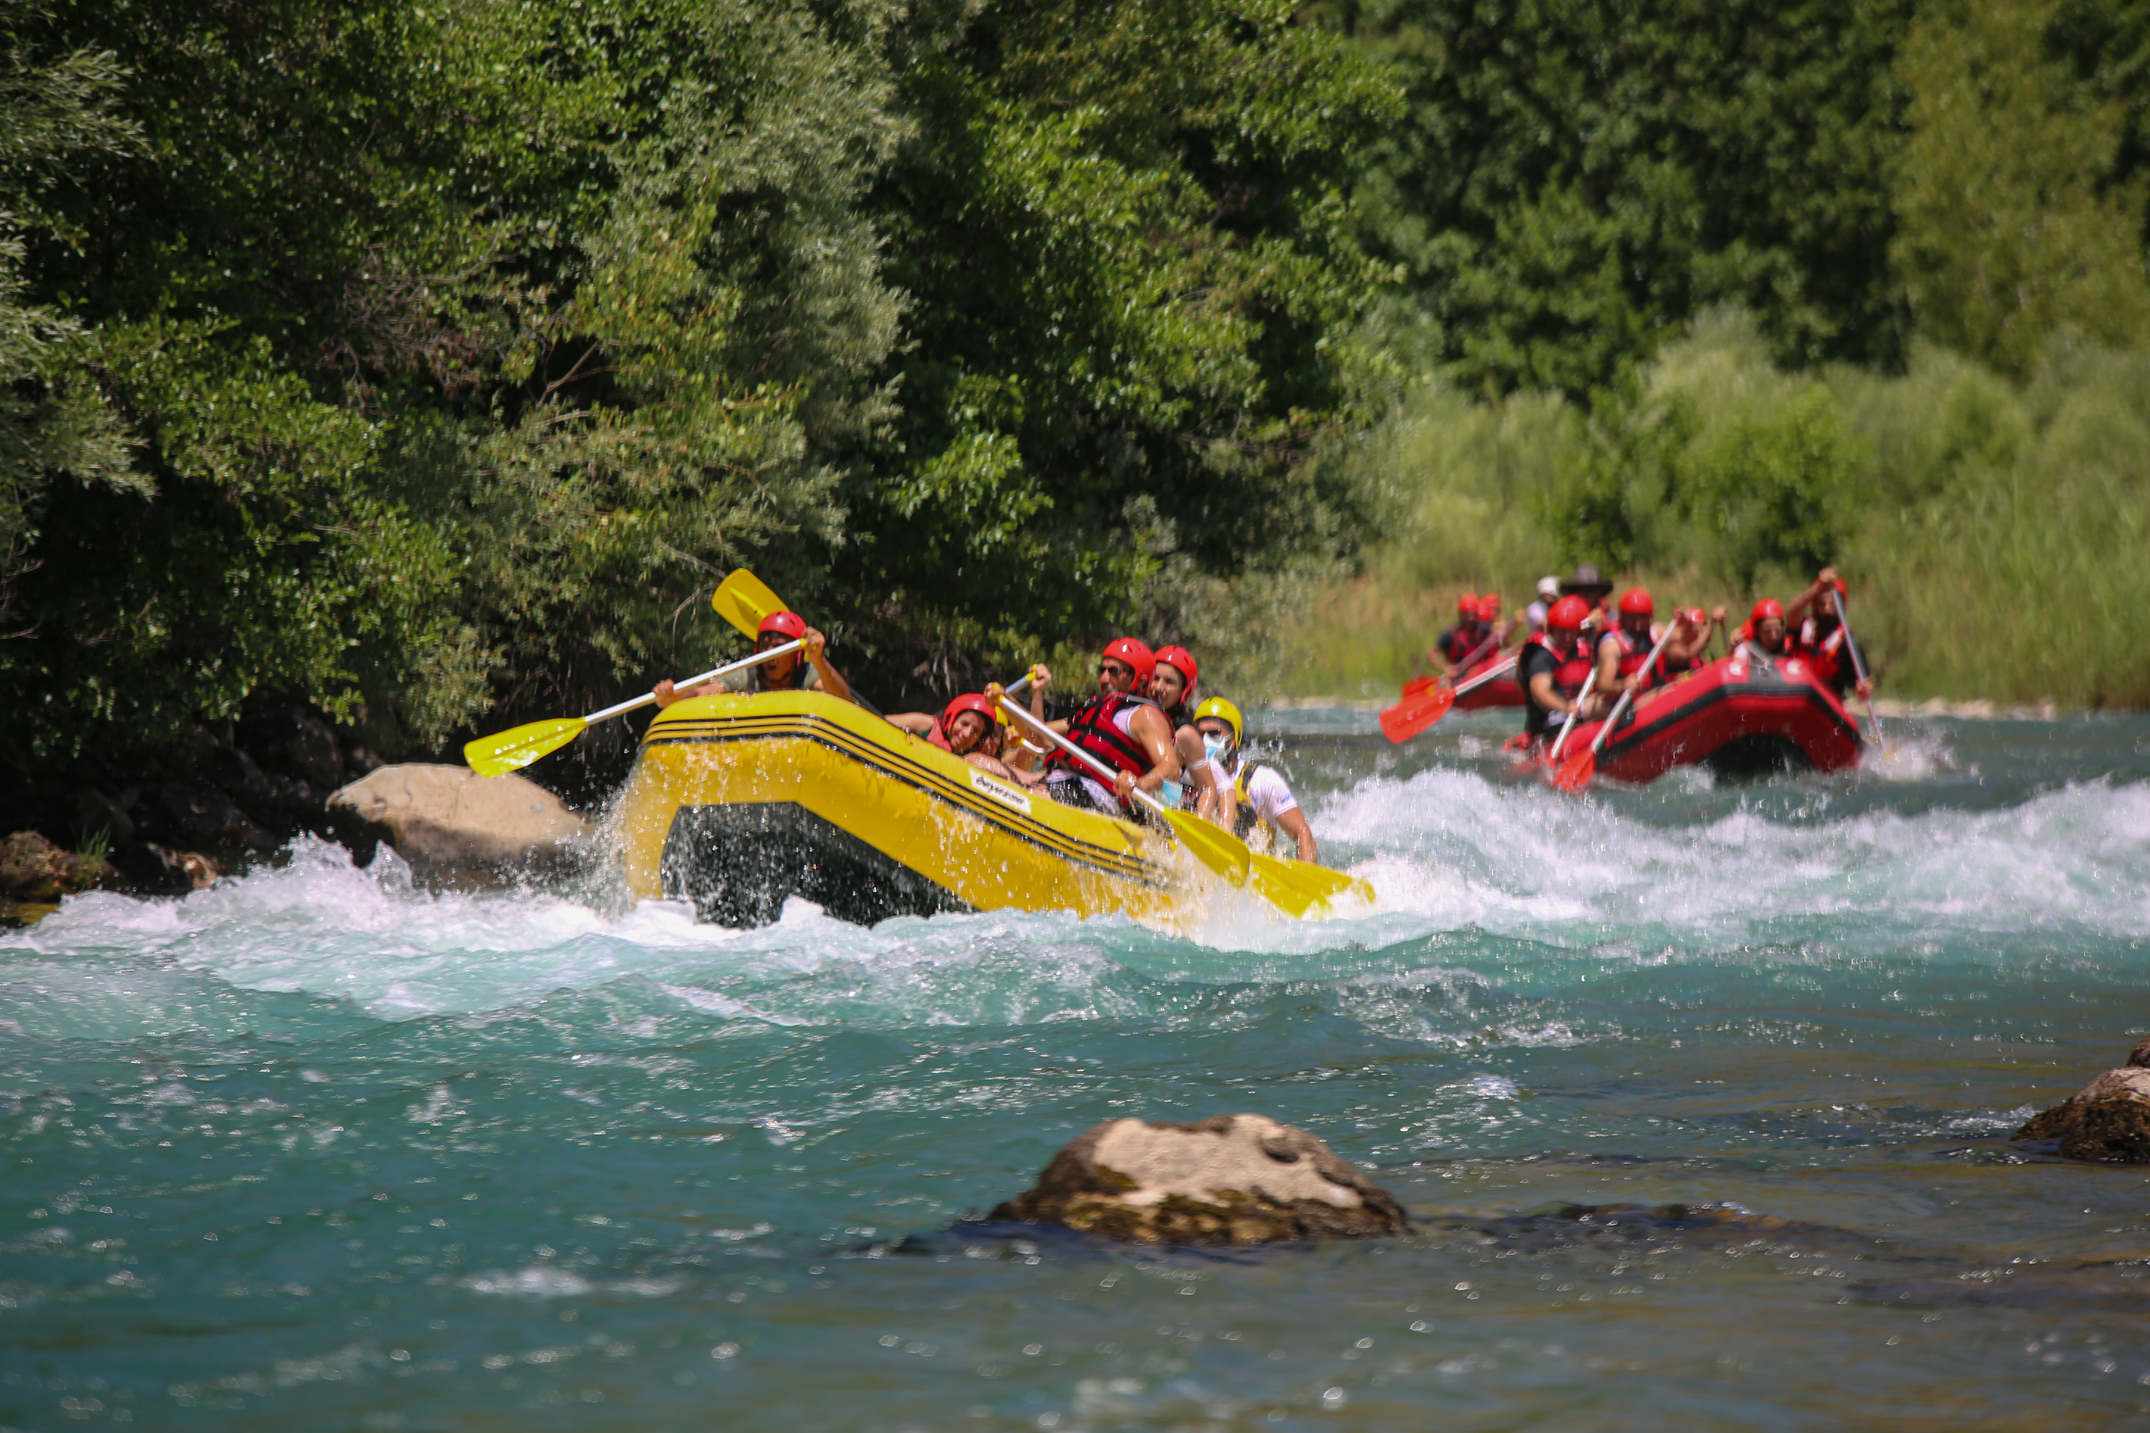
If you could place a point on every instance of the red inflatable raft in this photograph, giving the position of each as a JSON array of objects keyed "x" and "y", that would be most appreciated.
[
  {"x": 1502, "y": 691},
  {"x": 1738, "y": 718}
]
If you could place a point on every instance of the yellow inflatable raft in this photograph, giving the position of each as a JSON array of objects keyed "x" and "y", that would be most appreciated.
[{"x": 737, "y": 802}]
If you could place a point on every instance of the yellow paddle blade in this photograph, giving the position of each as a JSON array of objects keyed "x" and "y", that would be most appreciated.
[
  {"x": 743, "y": 600},
  {"x": 1297, "y": 888},
  {"x": 1212, "y": 845},
  {"x": 507, "y": 751}
]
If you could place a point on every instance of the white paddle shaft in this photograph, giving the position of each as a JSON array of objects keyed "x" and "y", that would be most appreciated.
[
  {"x": 1574, "y": 719},
  {"x": 1499, "y": 669},
  {"x": 1858, "y": 662},
  {"x": 1104, "y": 772},
  {"x": 1627, "y": 696},
  {"x": 724, "y": 671}
]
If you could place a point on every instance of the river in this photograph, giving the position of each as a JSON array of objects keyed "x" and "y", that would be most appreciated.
[{"x": 315, "y": 1150}]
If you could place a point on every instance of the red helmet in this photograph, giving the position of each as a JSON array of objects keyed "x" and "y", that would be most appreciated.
[
  {"x": 968, "y": 702},
  {"x": 1767, "y": 607},
  {"x": 1136, "y": 655},
  {"x": 1489, "y": 607},
  {"x": 1635, "y": 602},
  {"x": 1467, "y": 605},
  {"x": 1180, "y": 660},
  {"x": 1567, "y": 614},
  {"x": 790, "y": 624},
  {"x": 1695, "y": 617}
]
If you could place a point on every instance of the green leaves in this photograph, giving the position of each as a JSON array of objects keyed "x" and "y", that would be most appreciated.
[
  {"x": 2011, "y": 229},
  {"x": 1132, "y": 282},
  {"x": 1574, "y": 179}
]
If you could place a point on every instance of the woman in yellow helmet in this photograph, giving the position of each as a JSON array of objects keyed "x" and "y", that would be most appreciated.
[{"x": 1251, "y": 795}]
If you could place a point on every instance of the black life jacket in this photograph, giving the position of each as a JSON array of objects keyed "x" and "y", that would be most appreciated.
[
  {"x": 1092, "y": 729},
  {"x": 1569, "y": 674},
  {"x": 1459, "y": 641}
]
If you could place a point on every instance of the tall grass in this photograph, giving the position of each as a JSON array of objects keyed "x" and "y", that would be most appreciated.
[{"x": 1995, "y": 537}]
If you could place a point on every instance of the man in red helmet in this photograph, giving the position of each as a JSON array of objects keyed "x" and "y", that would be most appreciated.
[
  {"x": 1818, "y": 633},
  {"x": 1489, "y": 618},
  {"x": 1455, "y": 645},
  {"x": 971, "y": 726},
  {"x": 788, "y": 673},
  {"x": 1124, "y": 730},
  {"x": 1553, "y": 669},
  {"x": 1761, "y": 639},
  {"x": 1625, "y": 649}
]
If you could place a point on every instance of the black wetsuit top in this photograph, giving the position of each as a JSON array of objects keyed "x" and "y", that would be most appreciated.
[{"x": 1535, "y": 658}]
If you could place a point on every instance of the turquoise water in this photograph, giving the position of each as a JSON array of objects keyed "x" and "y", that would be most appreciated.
[{"x": 314, "y": 1150}]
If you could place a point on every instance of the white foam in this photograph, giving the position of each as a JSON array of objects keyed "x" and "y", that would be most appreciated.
[
  {"x": 1454, "y": 848},
  {"x": 1447, "y": 850}
]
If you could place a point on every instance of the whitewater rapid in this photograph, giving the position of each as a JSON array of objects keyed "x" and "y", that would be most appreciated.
[{"x": 318, "y": 1147}]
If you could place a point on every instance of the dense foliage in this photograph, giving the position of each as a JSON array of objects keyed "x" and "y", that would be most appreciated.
[
  {"x": 460, "y": 345},
  {"x": 428, "y": 360}
]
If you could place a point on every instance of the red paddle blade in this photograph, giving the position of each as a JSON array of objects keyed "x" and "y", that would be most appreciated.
[
  {"x": 1413, "y": 715},
  {"x": 1418, "y": 684},
  {"x": 1576, "y": 771}
]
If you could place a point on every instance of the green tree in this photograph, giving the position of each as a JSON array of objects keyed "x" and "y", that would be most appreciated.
[
  {"x": 1133, "y": 281},
  {"x": 55, "y": 424},
  {"x": 459, "y": 341},
  {"x": 2010, "y": 229},
  {"x": 1575, "y": 179}
]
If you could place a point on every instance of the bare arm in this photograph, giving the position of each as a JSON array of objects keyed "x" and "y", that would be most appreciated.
[
  {"x": 1293, "y": 823},
  {"x": 1547, "y": 695},
  {"x": 832, "y": 681},
  {"x": 1154, "y": 735},
  {"x": 1607, "y": 676},
  {"x": 1799, "y": 605}
]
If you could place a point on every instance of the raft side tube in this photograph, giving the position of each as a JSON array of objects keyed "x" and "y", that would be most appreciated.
[{"x": 738, "y": 801}]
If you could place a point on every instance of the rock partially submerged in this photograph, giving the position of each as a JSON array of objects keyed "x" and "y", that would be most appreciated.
[
  {"x": 2107, "y": 1120},
  {"x": 456, "y": 827},
  {"x": 1230, "y": 1179}
]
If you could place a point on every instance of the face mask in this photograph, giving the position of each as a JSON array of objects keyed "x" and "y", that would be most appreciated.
[{"x": 1215, "y": 747}]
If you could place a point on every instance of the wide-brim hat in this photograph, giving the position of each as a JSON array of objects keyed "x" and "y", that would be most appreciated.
[{"x": 1585, "y": 583}]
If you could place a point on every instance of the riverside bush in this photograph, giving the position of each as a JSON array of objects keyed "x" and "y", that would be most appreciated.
[{"x": 1992, "y": 536}]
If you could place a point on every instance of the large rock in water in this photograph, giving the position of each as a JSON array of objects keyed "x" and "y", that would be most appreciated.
[
  {"x": 456, "y": 827},
  {"x": 1230, "y": 1179},
  {"x": 2108, "y": 1119}
]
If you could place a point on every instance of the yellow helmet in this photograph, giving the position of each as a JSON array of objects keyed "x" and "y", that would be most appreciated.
[{"x": 1225, "y": 712}]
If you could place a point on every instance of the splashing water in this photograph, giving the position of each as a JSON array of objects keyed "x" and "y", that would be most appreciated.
[{"x": 318, "y": 1149}]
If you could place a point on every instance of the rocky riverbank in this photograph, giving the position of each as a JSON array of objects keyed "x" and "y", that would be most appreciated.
[{"x": 165, "y": 821}]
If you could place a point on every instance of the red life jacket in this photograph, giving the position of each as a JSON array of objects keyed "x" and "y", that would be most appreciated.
[
  {"x": 1635, "y": 655},
  {"x": 1459, "y": 642},
  {"x": 1573, "y": 671},
  {"x": 1092, "y": 729},
  {"x": 1824, "y": 654},
  {"x": 939, "y": 738},
  {"x": 1568, "y": 678}
]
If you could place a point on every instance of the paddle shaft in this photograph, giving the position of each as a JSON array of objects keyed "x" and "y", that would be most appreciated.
[
  {"x": 1493, "y": 640},
  {"x": 726, "y": 670},
  {"x": 1858, "y": 661},
  {"x": 1104, "y": 772},
  {"x": 1575, "y": 718},
  {"x": 1620, "y": 707},
  {"x": 1499, "y": 669}
]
